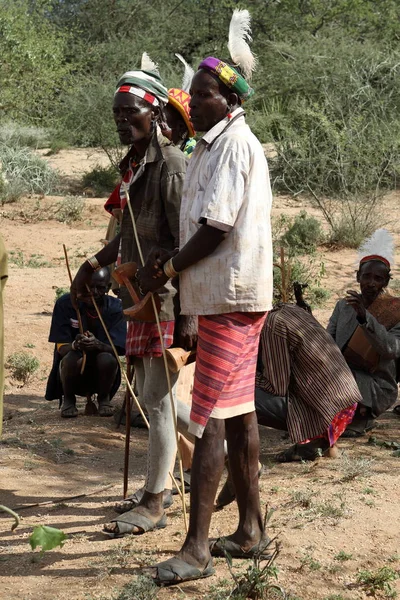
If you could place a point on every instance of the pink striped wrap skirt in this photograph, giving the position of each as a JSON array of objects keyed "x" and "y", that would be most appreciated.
[{"x": 224, "y": 378}]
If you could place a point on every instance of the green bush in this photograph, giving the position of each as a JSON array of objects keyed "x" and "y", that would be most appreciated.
[
  {"x": 101, "y": 180},
  {"x": 28, "y": 136},
  {"x": 60, "y": 291},
  {"x": 26, "y": 173},
  {"x": 304, "y": 234},
  {"x": 22, "y": 366},
  {"x": 69, "y": 209}
]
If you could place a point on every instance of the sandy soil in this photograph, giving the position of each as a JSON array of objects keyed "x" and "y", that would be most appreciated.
[{"x": 348, "y": 505}]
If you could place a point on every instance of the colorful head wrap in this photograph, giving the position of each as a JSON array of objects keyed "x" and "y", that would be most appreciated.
[
  {"x": 229, "y": 76},
  {"x": 180, "y": 101},
  {"x": 144, "y": 84}
]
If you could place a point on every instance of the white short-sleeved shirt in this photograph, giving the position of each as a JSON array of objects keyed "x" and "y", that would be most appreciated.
[{"x": 227, "y": 186}]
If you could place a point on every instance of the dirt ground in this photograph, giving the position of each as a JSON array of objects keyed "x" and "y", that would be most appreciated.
[{"x": 333, "y": 517}]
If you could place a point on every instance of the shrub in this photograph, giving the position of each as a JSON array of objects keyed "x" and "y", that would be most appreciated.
[
  {"x": 22, "y": 366},
  {"x": 28, "y": 136},
  {"x": 303, "y": 235},
  {"x": 69, "y": 209},
  {"x": 60, "y": 291},
  {"x": 101, "y": 180},
  {"x": 26, "y": 173}
]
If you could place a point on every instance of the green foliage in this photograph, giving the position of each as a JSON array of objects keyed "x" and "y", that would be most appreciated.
[
  {"x": 310, "y": 563},
  {"x": 304, "y": 234},
  {"x": 28, "y": 136},
  {"x": 343, "y": 556},
  {"x": 47, "y": 538},
  {"x": 35, "y": 261},
  {"x": 24, "y": 172},
  {"x": 70, "y": 209},
  {"x": 101, "y": 180},
  {"x": 379, "y": 580},
  {"x": 143, "y": 588},
  {"x": 22, "y": 366},
  {"x": 60, "y": 291},
  {"x": 33, "y": 59}
]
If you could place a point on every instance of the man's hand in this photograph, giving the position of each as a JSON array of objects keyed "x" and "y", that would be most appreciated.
[
  {"x": 354, "y": 299},
  {"x": 88, "y": 343},
  {"x": 81, "y": 280},
  {"x": 147, "y": 281},
  {"x": 186, "y": 332},
  {"x": 151, "y": 276}
]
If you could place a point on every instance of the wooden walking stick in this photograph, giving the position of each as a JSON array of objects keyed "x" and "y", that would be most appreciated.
[
  {"x": 156, "y": 314},
  {"x": 127, "y": 431},
  {"x": 78, "y": 312}
]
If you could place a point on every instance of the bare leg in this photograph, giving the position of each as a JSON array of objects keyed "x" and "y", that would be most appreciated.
[
  {"x": 70, "y": 374},
  {"x": 243, "y": 451},
  {"x": 208, "y": 463},
  {"x": 106, "y": 371}
]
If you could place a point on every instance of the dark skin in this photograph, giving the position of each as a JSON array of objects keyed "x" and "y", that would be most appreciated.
[
  {"x": 373, "y": 278},
  {"x": 135, "y": 120},
  {"x": 210, "y": 103},
  {"x": 174, "y": 129},
  {"x": 106, "y": 364}
]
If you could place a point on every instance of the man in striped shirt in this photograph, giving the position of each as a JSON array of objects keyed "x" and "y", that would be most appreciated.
[{"x": 303, "y": 383}]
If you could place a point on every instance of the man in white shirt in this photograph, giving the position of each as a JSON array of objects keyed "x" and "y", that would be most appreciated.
[{"x": 225, "y": 279}]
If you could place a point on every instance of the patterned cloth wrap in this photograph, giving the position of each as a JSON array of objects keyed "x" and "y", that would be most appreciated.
[
  {"x": 180, "y": 101},
  {"x": 229, "y": 76},
  {"x": 225, "y": 367},
  {"x": 143, "y": 339}
]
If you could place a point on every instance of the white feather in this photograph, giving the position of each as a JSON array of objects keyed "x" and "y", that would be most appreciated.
[
  {"x": 148, "y": 64},
  {"x": 380, "y": 243},
  {"x": 239, "y": 35},
  {"x": 187, "y": 75}
]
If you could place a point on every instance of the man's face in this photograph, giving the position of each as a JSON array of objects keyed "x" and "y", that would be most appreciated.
[
  {"x": 176, "y": 124},
  {"x": 373, "y": 276},
  {"x": 99, "y": 286},
  {"x": 133, "y": 118},
  {"x": 207, "y": 105}
]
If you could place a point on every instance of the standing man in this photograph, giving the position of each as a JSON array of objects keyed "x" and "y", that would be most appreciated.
[{"x": 225, "y": 277}]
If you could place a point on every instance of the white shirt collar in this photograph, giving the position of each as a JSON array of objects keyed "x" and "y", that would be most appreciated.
[{"x": 215, "y": 131}]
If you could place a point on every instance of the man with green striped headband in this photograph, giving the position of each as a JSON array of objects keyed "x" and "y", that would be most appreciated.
[{"x": 144, "y": 84}]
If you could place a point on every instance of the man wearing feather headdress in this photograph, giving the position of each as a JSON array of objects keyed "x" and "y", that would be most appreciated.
[
  {"x": 366, "y": 327},
  {"x": 225, "y": 277}
]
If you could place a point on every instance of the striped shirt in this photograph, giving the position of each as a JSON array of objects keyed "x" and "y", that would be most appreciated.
[{"x": 301, "y": 360}]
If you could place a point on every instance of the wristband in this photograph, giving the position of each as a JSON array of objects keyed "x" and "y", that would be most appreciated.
[
  {"x": 169, "y": 270},
  {"x": 94, "y": 263}
]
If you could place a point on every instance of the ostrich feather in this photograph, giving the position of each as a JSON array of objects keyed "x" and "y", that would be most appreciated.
[
  {"x": 239, "y": 36},
  {"x": 148, "y": 64},
  {"x": 380, "y": 243},
  {"x": 187, "y": 75}
]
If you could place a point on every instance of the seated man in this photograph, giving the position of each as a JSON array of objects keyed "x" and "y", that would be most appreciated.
[
  {"x": 303, "y": 384},
  {"x": 101, "y": 374},
  {"x": 366, "y": 327}
]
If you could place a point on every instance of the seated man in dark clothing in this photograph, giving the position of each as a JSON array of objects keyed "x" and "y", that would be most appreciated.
[{"x": 101, "y": 374}]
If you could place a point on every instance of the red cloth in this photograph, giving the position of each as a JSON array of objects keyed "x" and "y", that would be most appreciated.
[
  {"x": 226, "y": 360},
  {"x": 143, "y": 338},
  {"x": 337, "y": 427},
  {"x": 114, "y": 201}
]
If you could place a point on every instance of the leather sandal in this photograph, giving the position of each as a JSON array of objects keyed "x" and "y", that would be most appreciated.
[
  {"x": 132, "y": 519},
  {"x": 175, "y": 570}
]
